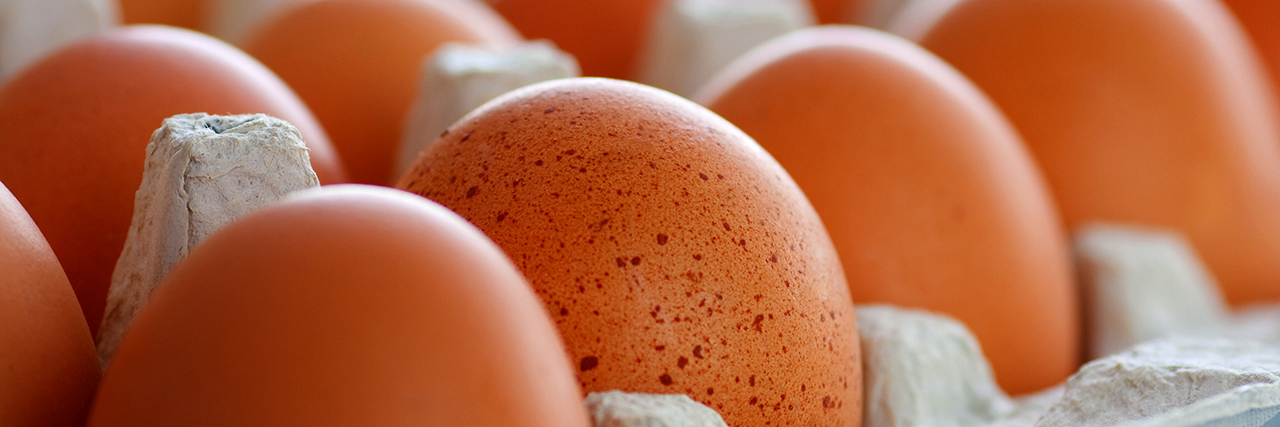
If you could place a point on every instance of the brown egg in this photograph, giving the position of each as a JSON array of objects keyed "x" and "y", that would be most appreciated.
[
  {"x": 928, "y": 193},
  {"x": 673, "y": 253},
  {"x": 50, "y": 371},
  {"x": 349, "y": 305},
  {"x": 837, "y": 11},
  {"x": 1261, "y": 19},
  {"x": 1153, "y": 112},
  {"x": 75, "y": 125},
  {"x": 179, "y": 13},
  {"x": 606, "y": 36},
  {"x": 356, "y": 63}
]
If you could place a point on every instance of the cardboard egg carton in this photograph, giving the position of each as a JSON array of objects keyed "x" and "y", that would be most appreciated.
[
  {"x": 691, "y": 40},
  {"x": 201, "y": 173},
  {"x": 31, "y": 28}
]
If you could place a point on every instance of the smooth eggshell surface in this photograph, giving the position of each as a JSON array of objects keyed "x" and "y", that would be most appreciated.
[
  {"x": 179, "y": 13},
  {"x": 356, "y": 64},
  {"x": 1261, "y": 19},
  {"x": 606, "y": 36},
  {"x": 929, "y": 195},
  {"x": 49, "y": 368},
  {"x": 674, "y": 254},
  {"x": 1152, "y": 112},
  {"x": 349, "y": 305},
  {"x": 74, "y": 128},
  {"x": 837, "y": 11}
]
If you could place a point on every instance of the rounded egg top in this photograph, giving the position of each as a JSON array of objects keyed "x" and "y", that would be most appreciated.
[{"x": 673, "y": 253}]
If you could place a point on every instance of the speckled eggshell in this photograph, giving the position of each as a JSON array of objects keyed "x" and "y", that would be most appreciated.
[{"x": 674, "y": 254}]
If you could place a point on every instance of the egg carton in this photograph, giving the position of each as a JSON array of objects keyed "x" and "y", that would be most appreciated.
[{"x": 925, "y": 369}]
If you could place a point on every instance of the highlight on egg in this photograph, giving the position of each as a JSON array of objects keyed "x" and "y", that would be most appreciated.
[
  {"x": 672, "y": 252},
  {"x": 1261, "y": 21},
  {"x": 348, "y": 305},
  {"x": 74, "y": 128}
]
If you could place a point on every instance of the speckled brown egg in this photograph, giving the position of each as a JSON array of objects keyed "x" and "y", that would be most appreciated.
[{"x": 674, "y": 254}]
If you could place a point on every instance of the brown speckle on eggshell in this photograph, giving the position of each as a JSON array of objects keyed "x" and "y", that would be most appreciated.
[{"x": 684, "y": 258}]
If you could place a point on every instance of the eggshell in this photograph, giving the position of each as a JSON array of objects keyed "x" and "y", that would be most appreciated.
[
  {"x": 1151, "y": 112},
  {"x": 350, "y": 305},
  {"x": 927, "y": 191},
  {"x": 673, "y": 253},
  {"x": 1261, "y": 20},
  {"x": 74, "y": 129},
  {"x": 356, "y": 63},
  {"x": 178, "y": 13},
  {"x": 458, "y": 78},
  {"x": 50, "y": 371},
  {"x": 837, "y": 11},
  {"x": 607, "y": 36},
  {"x": 201, "y": 173}
]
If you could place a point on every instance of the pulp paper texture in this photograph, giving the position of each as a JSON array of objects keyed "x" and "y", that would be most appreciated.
[
  {"x": 1172, "y": 383},
  {"x": 201, "y": 173},
  {"x": 458, "y": 78},
  {"x": 619, "y": 409},
  {"x": 31, "y": 28},
  {"x": 692, "y": 40}
]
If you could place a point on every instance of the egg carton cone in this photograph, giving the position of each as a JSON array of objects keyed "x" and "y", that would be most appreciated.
[
  {"x": 878, "y": 13},
  {"x": 925, "y": 369},
  {"x": 1175, "y": 382},
  {"x": 31, "y": 28},
  {"x": 692, "y": 40},
  {"x": 1143, "y": 283},
  {"x": 233, "y": 20},
  {"x": 913, "y": 18},
  {"x": 459, "y": 78},
  {"x": 621, "y": 409},
  {"x": 201, "y": 173}
]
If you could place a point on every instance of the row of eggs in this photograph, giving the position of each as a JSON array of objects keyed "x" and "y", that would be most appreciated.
[{"x": 930, "y": 196}]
